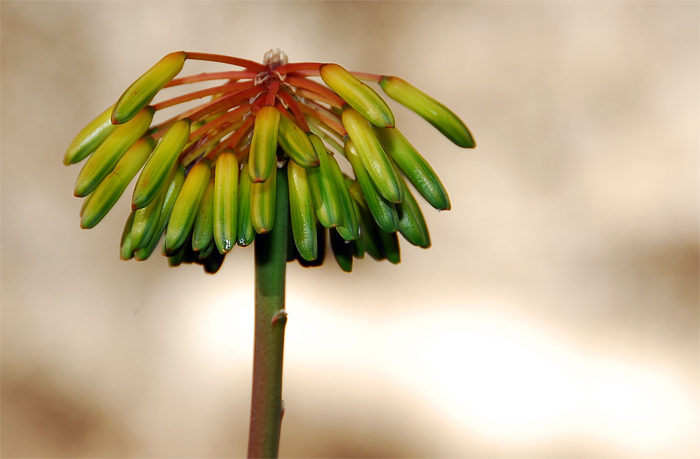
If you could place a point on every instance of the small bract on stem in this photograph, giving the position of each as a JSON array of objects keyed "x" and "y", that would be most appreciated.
[{"x": 255, "y": 161}]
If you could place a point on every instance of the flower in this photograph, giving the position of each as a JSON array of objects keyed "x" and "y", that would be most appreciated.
[{"x": 208, "y": 175}]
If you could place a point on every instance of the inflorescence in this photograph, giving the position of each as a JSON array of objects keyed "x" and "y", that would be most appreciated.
[{"x": 208, "y": 175}]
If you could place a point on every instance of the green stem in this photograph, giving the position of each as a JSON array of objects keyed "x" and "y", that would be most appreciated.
[{"x": 270, "y": 319}]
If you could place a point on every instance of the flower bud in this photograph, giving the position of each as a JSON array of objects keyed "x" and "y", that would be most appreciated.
[
  {"x": 108, "y": 192},
  {"x": 441, "y": 117},
  {"x": 143, "y": 90},
  {"x": 185, "y": 209},
  {"x": 377, "y": 164},
  {"x": 263, "y": 147},
  {"x": 225, "y": 201},
  {"x": 302, "y": 212},
  {"x": 245, "y": 233},
  {"x": 324, "y": 190},
  {"x": 262, "y": 204},
  {"x": 415, "y": 167},
  {"x": 160, "y": 164},
  {"x": 108, "y": 154},
  {"x": 203, "y": 232},
  {"x": 383, "y": 211},
  {"x": 358, "y": 95},
  {"x": 171, "y": 194},
  {"x": 296, "y": 144},
  {"x": 89, "y": 138}
]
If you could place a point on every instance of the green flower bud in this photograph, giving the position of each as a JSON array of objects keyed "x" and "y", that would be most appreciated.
[
  {"x": 143, "y": 90},
  {"x": 358, "y": 95},
  {"x": 429, "y": 109}
]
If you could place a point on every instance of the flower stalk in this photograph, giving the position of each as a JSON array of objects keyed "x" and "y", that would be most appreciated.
[{"x": 270, "y": 320}]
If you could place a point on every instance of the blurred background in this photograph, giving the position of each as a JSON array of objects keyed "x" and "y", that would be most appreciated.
[{"x": 555, "y": 315}]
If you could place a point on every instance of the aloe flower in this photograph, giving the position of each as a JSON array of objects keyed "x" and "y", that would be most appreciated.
[{"x": 259, "y": 158}]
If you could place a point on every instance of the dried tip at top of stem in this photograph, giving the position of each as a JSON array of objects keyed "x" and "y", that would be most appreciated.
[{"x": 275, "y": 57}]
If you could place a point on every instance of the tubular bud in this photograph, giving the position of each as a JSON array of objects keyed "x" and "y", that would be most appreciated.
[
  {"x": 213, "y": 262},
  {"x": 415, "y": 167},
  {"x": 263, "y": 147},
  {"x": 126, "y": 250},
  {"x": 321, "y": 232},
  {"x": 350, "y": 229},
  {"x": 384, "y": 212},
  {"x": 203, "y": 233},
  {"x": 160, "y": 164},
  {"x": 412, "y": 224},
  {"x": 177, "y": 258},
  {"x": 441, "y": 117},
  {"x": 324, "y": 190},
  {"x": 369, "y": 231},
  {"x": 302, "y": 212},
  {"x": 186, "y": 205},
  {"x": 146, "y": 218},
  {"x": 377, "y": 164},
  {"x": 143, "y": 90},
  {"x": 146, "y": 222},
  {"x": 245, "y": 233},
  {"x": 358, "y": 246},
  {"x": 108, "y": 154},
  {"x": 190, "y": 256},
  {"x": 172, "y": 192},
  {"x": 358, "y": 95},
  {"x": 296, "y": 144},
  {"x": 262, "y": 204},
  {"x": 203, "y": 254},
  {"x": 108, "y": 192},
  {"x": 225, "y": 201},
  {"x": 89, "y": 138},
  {"x": 390, "y": 246},
  {"x": 342, "y": 250}
]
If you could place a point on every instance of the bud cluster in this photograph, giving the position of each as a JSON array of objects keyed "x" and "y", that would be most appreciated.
[{"x": 208, "y": 175}]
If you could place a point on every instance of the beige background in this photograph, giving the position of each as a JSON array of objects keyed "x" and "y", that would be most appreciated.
[{"x": 556, "y": 314}]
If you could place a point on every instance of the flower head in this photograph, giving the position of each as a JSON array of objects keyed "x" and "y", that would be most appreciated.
[{"x": 208, "y": 179}]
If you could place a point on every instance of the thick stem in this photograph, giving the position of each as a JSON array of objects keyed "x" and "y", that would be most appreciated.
[{"x": 270, "y": 319}]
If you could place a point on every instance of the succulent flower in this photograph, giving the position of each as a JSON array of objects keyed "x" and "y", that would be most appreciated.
[{"x": 208, "y": 175}]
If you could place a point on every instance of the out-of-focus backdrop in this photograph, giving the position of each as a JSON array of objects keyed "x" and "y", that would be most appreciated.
[{"x": 555, "y": 315}]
